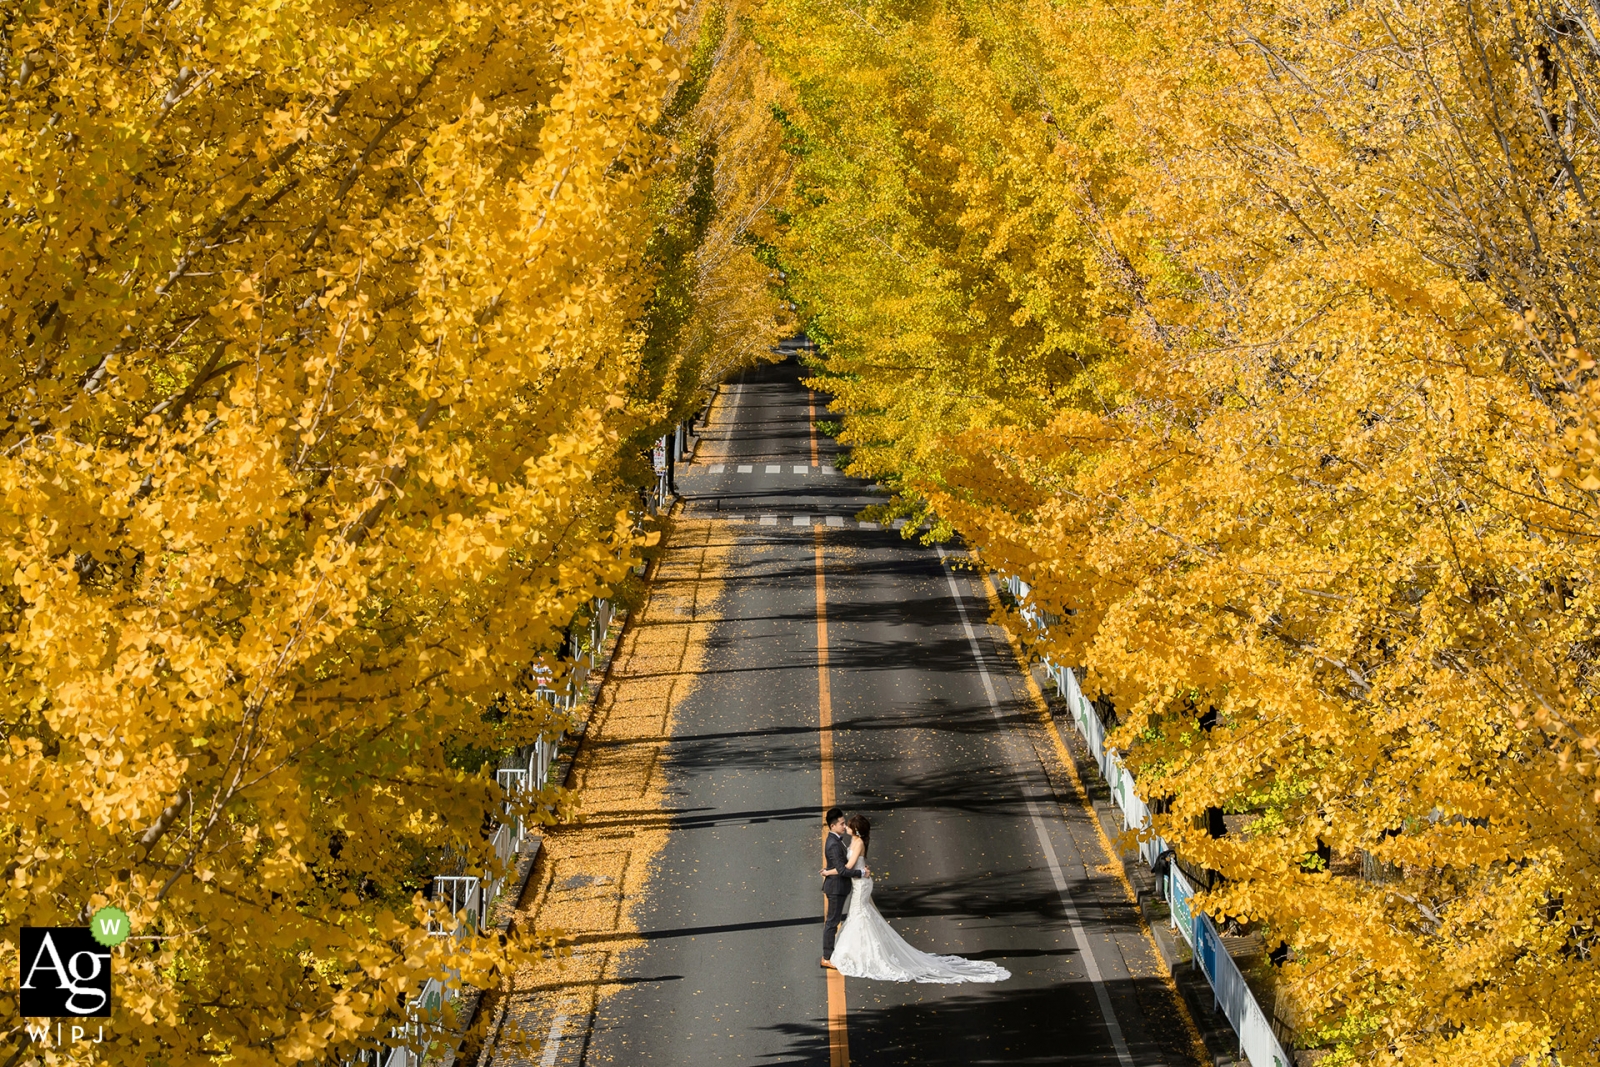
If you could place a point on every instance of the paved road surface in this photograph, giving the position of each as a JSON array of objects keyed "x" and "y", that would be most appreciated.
[{"x": 960, "y": 802}]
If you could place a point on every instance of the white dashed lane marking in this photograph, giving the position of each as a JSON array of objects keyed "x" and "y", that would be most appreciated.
[{"x": 835, "y": 522}]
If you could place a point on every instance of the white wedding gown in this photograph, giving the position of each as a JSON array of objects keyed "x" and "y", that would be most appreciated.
[{"x": 868, "y": 947}]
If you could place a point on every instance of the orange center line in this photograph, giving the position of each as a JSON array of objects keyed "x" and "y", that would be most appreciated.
[
  {"x": 811, "y": 406},
  {"x": 838, "y": 1031}
]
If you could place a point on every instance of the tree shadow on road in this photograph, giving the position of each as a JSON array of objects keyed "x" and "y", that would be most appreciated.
[{"x": 893, "y": 1025}]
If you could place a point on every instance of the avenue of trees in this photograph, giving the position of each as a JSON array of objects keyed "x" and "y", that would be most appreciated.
[{"x": 1256, "y": 337}]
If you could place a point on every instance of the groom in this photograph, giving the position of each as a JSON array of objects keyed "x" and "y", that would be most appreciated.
[{"x": 835, "y": 880}]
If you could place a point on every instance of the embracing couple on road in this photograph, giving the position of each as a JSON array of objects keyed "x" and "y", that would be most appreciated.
[{"x": 868, "y": 947}]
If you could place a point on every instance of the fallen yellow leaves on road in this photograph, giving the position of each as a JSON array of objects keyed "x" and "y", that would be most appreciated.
[{"x": 594, "y": 872}]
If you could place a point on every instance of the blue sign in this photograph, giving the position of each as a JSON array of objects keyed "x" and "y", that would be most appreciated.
[
  {"x": 1206, "y": 947},
  {"x": 1178, "y": 894}
]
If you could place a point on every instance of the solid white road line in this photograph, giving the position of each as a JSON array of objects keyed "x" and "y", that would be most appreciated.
[{"x": 1084, "y": 948}]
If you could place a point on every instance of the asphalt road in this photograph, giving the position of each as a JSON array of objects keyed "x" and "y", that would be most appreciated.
[{"x": 978, "y": 847}]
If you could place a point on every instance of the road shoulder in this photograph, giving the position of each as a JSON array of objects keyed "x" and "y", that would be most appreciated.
[
  {"x": 592, "y": 874},
  {"x": 1074, "y": 779}
]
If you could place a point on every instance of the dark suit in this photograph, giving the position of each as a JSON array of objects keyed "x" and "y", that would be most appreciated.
[{"x": 836, "y": 887}]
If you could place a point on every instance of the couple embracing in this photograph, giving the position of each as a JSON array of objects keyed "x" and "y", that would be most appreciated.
[{"x": 867, "y": 946}]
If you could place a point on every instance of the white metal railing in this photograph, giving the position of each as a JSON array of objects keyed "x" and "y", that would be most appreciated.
[
  {"x": 507, "y": 840},
  {"x": 412, "y": 1037},
  {"x": 513, "y": 781},
  {"x": 544, "y": 752},
  {"x": 387, "y": 1056},
  {"x": 573, "y": 688},
  {"x": 1135, "y": 812},
  {"x": 525, "y": 771},
  {"x": 468, "y": 904},
  {"x": 599, "y": 628},
  {"x": 470, "y": 898},
  {"x": 1257, "y": 1041},
  {"x": 1019, "y": 591}
]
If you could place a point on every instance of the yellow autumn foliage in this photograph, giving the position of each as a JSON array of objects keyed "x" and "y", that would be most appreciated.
[
  {"x": 714, "y": 309},
  {"x": 1256, "y": 338},
  {"x": 322, "y": 329}
]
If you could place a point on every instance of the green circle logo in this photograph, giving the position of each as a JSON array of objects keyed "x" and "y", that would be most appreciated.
[{"x": 110, "y": 926}]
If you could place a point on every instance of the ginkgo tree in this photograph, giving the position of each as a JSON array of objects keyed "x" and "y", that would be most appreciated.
[
  {"x": 1257, "y": 338},
  {"x": 714, "y": 308},
  {"x": 321, "y": 331}
]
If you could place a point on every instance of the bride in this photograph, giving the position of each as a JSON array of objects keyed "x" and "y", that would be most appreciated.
[{"x": 868, "y": 947}]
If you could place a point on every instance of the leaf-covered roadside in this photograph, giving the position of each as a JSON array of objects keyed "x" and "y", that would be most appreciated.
[{"x": 326, "y": 366}]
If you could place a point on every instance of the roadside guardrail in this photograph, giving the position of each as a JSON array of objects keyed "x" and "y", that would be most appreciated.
[
  {"x": 1257, "y": 1041},
  {"x": 471, "y": 897}
]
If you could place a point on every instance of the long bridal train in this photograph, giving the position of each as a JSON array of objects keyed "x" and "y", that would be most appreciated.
[{"x": 868, "y": 947}]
